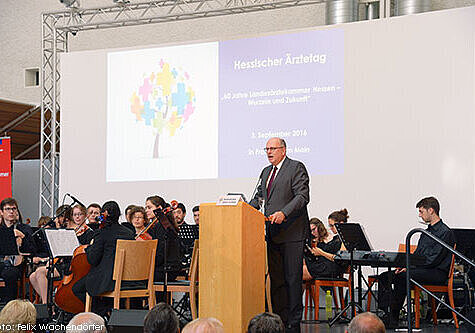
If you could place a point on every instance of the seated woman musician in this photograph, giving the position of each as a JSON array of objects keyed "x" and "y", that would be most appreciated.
[
  {"x": 101, "y": 255},
  {"x": 74, "y": 218},
  {"x": 319, "y": 261},
  {"x": 137, "y": 217},
  {"x": 171, "y": 235}
]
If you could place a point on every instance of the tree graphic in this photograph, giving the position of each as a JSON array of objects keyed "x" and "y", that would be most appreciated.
[{"x": 164, "y": 100}]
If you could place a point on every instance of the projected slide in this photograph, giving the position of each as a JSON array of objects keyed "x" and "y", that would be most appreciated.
[
  {"x": 162, "y": 113},
  {"x": 290, "y": 86},
  {"x": 206, "y": 110}
]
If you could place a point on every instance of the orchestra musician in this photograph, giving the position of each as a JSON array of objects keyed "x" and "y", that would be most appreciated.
[
  {"x": 73, "y": 219},
  {"x": 433, "y": 271},
  {"x": 157, "y": 232},
  {"x": 137, "y": 218},
  {"x": 101, "y": 255},
  {"x": 9, "y": 266},
  {"x": 318, "y": 261},
  {"x": 332, "y": 247}
]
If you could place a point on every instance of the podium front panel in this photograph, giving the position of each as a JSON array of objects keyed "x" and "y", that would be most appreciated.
[{"x": 231, "y": 264}]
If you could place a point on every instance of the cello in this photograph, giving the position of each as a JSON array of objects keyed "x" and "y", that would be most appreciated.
[{"x": 64, "y": 297}]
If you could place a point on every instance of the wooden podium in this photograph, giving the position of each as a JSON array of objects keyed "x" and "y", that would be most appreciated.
[{"x": 231, "y": 264}]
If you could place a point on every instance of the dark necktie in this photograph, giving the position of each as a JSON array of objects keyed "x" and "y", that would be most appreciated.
[{"x": 271, "y": 180}]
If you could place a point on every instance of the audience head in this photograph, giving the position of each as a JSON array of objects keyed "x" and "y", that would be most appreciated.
[
  {"x": 127, "y": 213},
  {"x": 366, "y": 322},
  {"x": 204, "y": 325},
  {"x": 340, "y": 216},
  {"x": 93, "y": 211},
  {"x": 18, "y": 312},
  {"x": 318, "y": 229},
  {"x": 179, "y": 214},
  {"x": 429, "y": 209},
  {"x": 161, "y": 319},
  {"x": 152, "y": 203},
  {"x": 86, "y": 322},
  {"x": 113, "y": 211},
  {"x": 196, "y": 214},
  {"x": 9, "y": 211},
  {"x": 266, "y": 323}
]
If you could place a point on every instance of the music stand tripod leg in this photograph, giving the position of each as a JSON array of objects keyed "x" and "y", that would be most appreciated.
[{"x": 351, "y": 304}]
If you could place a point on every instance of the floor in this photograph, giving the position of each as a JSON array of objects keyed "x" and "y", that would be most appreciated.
[{"x": 308, "y": 326}]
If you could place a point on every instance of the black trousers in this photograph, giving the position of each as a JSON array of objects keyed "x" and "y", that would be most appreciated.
[
  {"x": 285, "y": 261},
  {"x": 100, "y": 306},
  {"x": 10, "y": 274},
  {"x": 395, "y": 300}
]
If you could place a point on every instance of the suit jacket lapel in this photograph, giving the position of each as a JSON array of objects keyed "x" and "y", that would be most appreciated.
[{"x": 278, "y": 176}]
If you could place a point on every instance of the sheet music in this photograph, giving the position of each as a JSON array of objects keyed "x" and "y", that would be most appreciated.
[{"x": 62, "y": 242}]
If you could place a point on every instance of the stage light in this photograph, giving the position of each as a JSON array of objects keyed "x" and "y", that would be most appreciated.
[{"x": 70, "y": 3}]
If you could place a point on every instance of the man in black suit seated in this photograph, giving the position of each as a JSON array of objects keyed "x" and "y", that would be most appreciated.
[
  {"x": 9, "y": 266},
  {"x": 284, "y": 189},
  {"x": 435, "y": 269},
  {"x": 188, "y": 234},
  {"x": 101, "y": 255},
  {"x": 196, "y": 215}
]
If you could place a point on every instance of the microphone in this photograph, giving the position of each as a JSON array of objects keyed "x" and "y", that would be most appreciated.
[
  {"x": 75, "y": 200},
  {"x": 101, "y": 218},
  {"x": 259, "y": 182}
]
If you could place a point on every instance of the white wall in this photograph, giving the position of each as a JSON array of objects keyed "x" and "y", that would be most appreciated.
[{"x": 409, "y": 129}]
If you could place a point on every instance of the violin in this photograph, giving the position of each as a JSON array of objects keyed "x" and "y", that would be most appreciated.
[
  {"x": 143, "y": 235},
  {"x": 166, "y": 210}
]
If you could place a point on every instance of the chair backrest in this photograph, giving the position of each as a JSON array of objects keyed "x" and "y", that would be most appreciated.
[
  {"x": 452, "y": 266},
  {"x": 402, "y": 248},
  {"x": 193, "y": 275},
  {"x": 134, "y": 260}
]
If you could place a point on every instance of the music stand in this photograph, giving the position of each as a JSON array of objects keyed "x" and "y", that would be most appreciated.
[
  {"x": 354, "y": 238},
  {"x": 464, "y": 240},
  {"x": 61, "y": 243}
]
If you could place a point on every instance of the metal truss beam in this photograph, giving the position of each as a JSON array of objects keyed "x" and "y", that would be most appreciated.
[
  {"x": 56, "y": 26},
  {"x": 78, "y": 19}
]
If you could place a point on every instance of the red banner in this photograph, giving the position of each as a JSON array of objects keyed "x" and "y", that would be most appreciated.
[{"x": 5, "y": 169}]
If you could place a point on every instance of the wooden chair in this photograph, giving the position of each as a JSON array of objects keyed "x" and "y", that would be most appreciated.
[
  {"x": 329, "y": 282},
  {"x": 372, "y": 279},
  {"x": 189, "y": 286},
  {"x": 309, "y": 288},
  {"x": 436, "y": 289},
  {"x": 134, "y": 261}
]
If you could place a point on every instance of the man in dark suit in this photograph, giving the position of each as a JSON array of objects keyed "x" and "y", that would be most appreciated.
[{"x": 284, "y": 189}]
